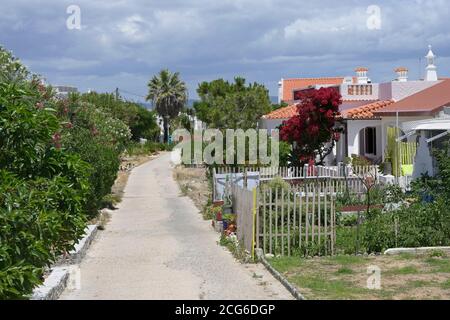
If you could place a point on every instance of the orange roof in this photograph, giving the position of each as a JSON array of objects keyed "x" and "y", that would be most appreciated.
[
  {"x": 425, "y": 102},
  {"x": 361, "y": 69},
  {"x": 289, "y": 85},
  {"x": 366, "y": 111},
  {"x": 401, "y": 69},
  {"x": 282, "y": 113}
]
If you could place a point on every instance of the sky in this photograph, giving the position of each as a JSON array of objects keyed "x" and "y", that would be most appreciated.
[{"x": 123, "y": 43}]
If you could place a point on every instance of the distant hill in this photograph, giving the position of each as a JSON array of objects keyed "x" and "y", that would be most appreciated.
[
  {"x": 273, "y": 99},
  {"x": 146, "y": 105}
]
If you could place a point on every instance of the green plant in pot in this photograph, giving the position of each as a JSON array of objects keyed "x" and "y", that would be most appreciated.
[
  {"x": 228, "y": 219},
  {"x": 386, "y": 166}
]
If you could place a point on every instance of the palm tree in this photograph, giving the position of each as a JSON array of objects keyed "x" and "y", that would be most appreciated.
[{"x": 169, "y": 95}]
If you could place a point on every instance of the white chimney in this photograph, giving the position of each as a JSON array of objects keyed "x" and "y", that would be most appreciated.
[
  {"x": 402, "y": 74},
  {"x": 431, "y": 68},
  {"x": 361, "y": 74},
  {"x": 280, "y": 91}
]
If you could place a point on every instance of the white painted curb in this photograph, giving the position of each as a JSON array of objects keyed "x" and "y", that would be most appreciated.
[
  {"x": 53, "y": 286},
  {"x": 57, "y": 281},
  {"x": 292, "y": 289},
  {"x": 77, "y": 254},
  {"x": 421, "y": 250}
]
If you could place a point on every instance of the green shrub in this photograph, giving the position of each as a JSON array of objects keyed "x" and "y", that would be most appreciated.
[
  {"x": 379, "y": 231},
  {"x": 43, "y": 188},
  {"x": 145, "y": 125},
  {"x": 141, "y": 121},
  {"x": 99, "y": 139},
  {"x": 138, "y": 149}
]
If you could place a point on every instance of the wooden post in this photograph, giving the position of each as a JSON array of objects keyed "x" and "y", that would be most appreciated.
[
  {"x": 282, "y": 221},
  {"x": 307, "y": 218},
  {"x": 276, "y": 220},
  {"x": 289, "y": 222},
  {"x": 270, "y": 222},
  {"x": 295, "y": 218},
  {"x": 254, "y": 222},
  {"x": 326, "y": 192},
  {"x": 300, "y": 212},
  {"x": 264, "y": 190},
  {"x": 319, "y": 213}
]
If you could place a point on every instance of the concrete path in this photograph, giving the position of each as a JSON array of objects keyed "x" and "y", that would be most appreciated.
[{"x": 157, "y": 246}]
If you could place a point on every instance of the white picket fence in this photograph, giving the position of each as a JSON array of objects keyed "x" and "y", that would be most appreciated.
[
  {"x": 344, "y": 177},
  {"x": 340, "y": 171}
]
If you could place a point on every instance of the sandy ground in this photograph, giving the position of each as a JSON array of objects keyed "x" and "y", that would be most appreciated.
[{"x": 157, "y": 246}]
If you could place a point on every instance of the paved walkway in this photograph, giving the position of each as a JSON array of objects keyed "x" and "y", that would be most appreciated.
[{"x": 157, "y": 246}]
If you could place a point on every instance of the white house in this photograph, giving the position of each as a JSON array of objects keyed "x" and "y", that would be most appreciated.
[
  {"x": 64, "y": 91},
  {"x": 369, "y": 109}
]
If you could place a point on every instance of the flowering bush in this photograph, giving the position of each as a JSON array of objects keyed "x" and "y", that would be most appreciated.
[
  {"x": 313, "y": 132},
  {"x": 43, "y": 188},
  {"x": 99, "y": 139}
]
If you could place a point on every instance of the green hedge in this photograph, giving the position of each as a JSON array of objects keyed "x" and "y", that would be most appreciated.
[
  {"x": 99, "y": 139},
  {"x": 43, "y": 188},
  {"x": 58, "y": 160}
]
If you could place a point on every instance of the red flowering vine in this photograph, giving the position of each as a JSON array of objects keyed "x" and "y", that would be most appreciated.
[{"x": 313, "y": 131}]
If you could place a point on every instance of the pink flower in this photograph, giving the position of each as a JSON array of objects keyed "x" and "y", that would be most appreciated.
[{"x": 56, "y": 138}]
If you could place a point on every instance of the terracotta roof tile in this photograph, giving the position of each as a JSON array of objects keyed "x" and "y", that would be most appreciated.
[
  {"x": 289, "y": 85},
  {"x": 366, "y": 111},
  {"x": 282, "y": 113},
  {"x": 425, "y": 102}
]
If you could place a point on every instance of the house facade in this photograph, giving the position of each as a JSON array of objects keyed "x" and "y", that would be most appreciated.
[{"x": 371, "y": 112}]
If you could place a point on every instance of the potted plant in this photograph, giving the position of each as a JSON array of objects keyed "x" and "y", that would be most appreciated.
[
  {"x": 387, "y": 166},
  {"x": 228, "y": 219}
]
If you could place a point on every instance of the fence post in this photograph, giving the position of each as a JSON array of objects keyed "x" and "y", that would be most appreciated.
[{"x": 254, "y": 222}]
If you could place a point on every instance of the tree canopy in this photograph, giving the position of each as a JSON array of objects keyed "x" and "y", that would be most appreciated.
[
  {"x": 169, "y": 95},
  {"x": 234, "y": 105}
]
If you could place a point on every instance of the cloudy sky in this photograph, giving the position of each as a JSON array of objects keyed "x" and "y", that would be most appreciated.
[{"x": 122, "y": 43}]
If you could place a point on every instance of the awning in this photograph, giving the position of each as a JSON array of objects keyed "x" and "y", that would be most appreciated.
[{"x": 427, "y": 125}]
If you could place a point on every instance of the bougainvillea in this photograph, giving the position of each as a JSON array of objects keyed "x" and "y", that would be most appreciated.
[{"x": 313, "y": 132}]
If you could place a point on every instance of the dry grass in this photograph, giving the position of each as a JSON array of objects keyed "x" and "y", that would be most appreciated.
[
  {"x": 194, "y": 184},
  {"x": 403, "y": 277}
]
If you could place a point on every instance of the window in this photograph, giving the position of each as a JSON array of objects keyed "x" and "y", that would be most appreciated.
[{"x": 371, "y": 141}]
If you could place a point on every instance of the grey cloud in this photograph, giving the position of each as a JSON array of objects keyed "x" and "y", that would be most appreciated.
[{"x": 123, "y": 43}]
